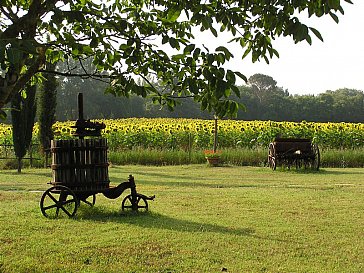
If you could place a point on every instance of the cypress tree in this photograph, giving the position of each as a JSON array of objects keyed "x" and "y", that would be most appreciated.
[
  {"x": 46, "y": 107},
  {"x": 22, "y": 118}
]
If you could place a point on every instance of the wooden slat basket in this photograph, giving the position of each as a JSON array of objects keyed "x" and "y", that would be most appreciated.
[{"x": 80, "y": 164}]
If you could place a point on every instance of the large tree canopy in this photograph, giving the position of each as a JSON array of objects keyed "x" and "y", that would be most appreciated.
[{"x": 124, "y": 38}]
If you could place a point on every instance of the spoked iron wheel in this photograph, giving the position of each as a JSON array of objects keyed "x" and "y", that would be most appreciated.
[
  {"x": 272, "y": 156},
  {"x": 59, "y": 202},
  {"x": 315, "y": 164},
  {"x": 141, "y": 203}
]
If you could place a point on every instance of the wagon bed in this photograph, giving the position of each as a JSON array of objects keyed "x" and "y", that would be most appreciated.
[{"x": 298, "y": 152}]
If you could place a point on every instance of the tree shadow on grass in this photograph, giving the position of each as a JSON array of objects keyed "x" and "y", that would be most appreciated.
[
  {"x": 156, "y": 220},
  {"x": 180, "y": 173},
  {"x": 159, "y": 221},
  {"x": 162, "y": 177}
]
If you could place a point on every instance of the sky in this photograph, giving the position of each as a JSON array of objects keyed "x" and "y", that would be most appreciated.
[{"x": 338, "y": 62}]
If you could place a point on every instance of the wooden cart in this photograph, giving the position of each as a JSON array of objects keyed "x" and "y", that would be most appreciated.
[
  {"x": 298, "y": 152},
  {"x": 80, "y": 171}
]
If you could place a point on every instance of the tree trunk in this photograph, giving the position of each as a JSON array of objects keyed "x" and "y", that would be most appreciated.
[
  {"x": 19, "y": 164},
  {"x": 215, "y": 135}
]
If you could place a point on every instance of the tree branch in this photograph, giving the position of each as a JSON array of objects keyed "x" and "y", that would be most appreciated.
[
  {"x": 32, "y": 70},
  {"x": 29, "y": 20},
  {"x": 85, "y": 75},
  {"x": 9, "y": 14}
]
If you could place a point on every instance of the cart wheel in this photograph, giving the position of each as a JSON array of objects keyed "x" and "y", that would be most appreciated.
[
  {"x": 90, "y": 200},
  {"x": 272, "y": 156},
  {"x": 315, "y": 164},
  {"x": 140, "y": 205},
  {"x": 58, "y": 202}
]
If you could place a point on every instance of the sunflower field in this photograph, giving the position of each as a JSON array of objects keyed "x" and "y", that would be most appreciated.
[{"x": 187, "y": 134}]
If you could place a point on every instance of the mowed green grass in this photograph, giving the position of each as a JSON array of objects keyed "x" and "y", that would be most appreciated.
[{"x": 234, "y": 219}]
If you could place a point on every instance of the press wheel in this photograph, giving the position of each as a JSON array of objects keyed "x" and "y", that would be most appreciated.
[
  {"x": 59, "y": 202},
  {"x": 141, "y": 203},
  {"x": 315, "y": 164},
  {"x": 272, "y": 156}
]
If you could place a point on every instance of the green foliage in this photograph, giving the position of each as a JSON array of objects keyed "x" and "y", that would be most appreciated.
[{"x": 123, "y": 39}]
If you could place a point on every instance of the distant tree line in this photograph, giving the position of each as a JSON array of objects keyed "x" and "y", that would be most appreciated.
[{"x": 263, "y": 99}]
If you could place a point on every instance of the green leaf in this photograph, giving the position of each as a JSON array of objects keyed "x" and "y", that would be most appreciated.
[
  {"x": 301, "y": 32},
  {"x": 173, "y": 14},
  {"x": 220, "y": 58},
  {"x": 87, "y": 49},
  {"x": 196, "y": 53},
  {"x": 233, "y": 108},
  {"x": 210, "y": 59},
  {"x": 213, "y": 30},
  {"x": 165, "y": 39},
  {"x": 242, "y": 107},
  {"x": 230, "y": 76},
  {"x": 227, "y": 92},
  {"x": 241, "y": 76},
  {"x": 23, "y": 94},
  {"x": 189, "y": 48},
  {"x": 246, "y": 52},
  {"x": 178, "y": 57},
  {"x": 334, "y": 4},
  {"x": 94, "y": 42},
  {"x": 123, "y": 46},
  {"x": 174, "y": 43},
  {"x": 309, "y": 40},
  {"x": 193, "y": 86},
  {"x": 272, "y": 52},
  {"x": 226, "y": 51},
  {"x": 242, "y": 42},
  {"x": 208, "y": 75},
  {"x": 334, "y": 17},
  {"x": 220, "y": 88},
  {"x": 206, "y": 23},
  {"x": 204, "y": 104},
  {"x": 235, "y": 90},
  {"x": 75, "y": 51}
]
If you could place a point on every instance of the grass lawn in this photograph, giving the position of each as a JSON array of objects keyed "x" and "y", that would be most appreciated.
[{"x": 223, "y": 219}]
